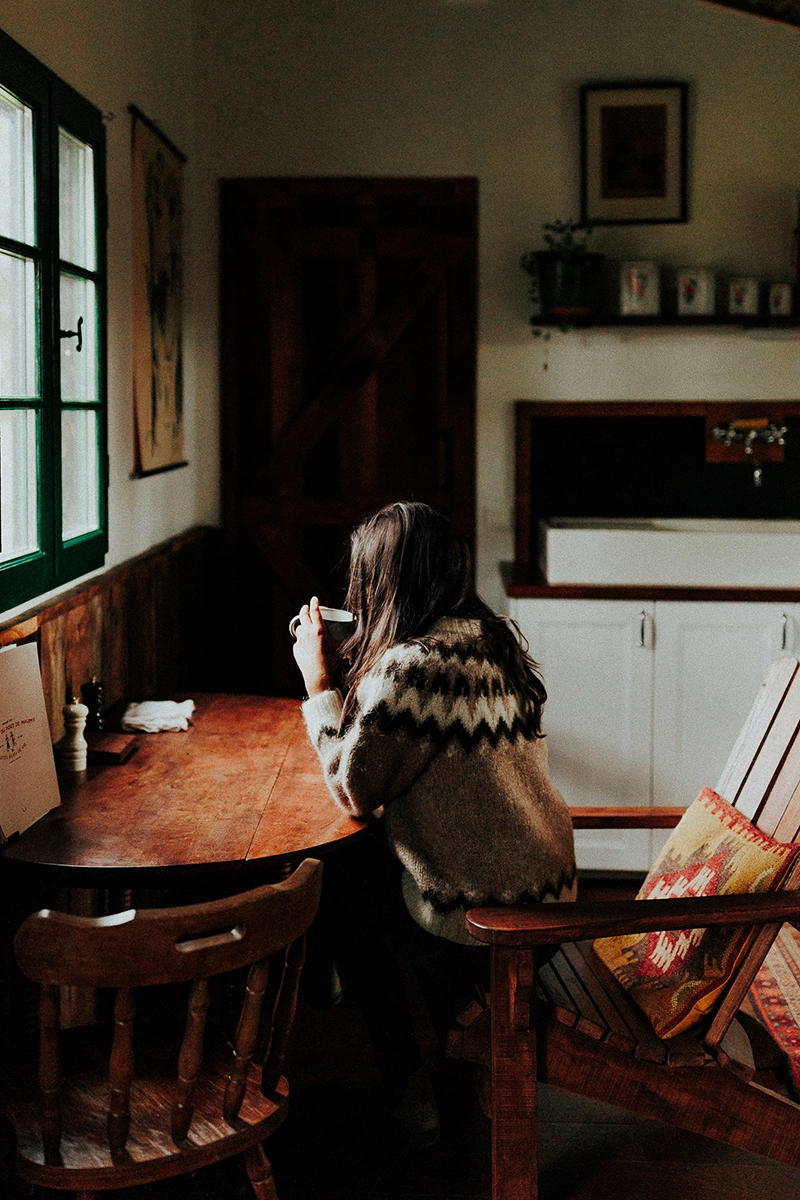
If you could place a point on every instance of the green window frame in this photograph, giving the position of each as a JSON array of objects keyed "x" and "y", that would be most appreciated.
[{"x": 53, "y": 402}]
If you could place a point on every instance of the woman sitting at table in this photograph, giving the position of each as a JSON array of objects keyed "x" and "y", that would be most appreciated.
[{"x": 439, "y": 725}]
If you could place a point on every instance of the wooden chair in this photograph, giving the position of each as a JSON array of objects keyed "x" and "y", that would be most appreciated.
[
  {"x": 573, "y": 1026},
  {"x": 107, "y": 1115}
]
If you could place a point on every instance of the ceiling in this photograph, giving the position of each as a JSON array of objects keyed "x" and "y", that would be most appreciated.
[{"x": 787, "y": 11}]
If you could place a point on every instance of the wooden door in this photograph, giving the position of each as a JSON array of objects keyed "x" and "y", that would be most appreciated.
[{"x": 348, "y": 381}]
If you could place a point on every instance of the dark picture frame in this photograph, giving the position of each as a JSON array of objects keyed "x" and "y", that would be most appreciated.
[
  {"x": 633, "y": 153},
  {"x": 157, "y": 212}
]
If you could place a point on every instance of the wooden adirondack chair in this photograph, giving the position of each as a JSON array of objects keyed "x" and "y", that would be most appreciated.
[{"x": 574, "y": 1027}]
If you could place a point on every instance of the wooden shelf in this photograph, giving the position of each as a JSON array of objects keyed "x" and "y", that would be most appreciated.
[{"x": 669, "y": 321}]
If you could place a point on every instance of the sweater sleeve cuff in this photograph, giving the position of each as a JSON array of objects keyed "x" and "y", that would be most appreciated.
[{"x": 321, "y": 713}]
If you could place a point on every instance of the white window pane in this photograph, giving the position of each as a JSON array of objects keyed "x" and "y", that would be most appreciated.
[
  {"x": 80, "y": 507},
  {"x": 78, "y": 367},
  {"x": 19, "y": 525},
  {"x": 16, "y": 169},
  {"x": 18, "y": 373},
  {"x": 76, "y": 206}
]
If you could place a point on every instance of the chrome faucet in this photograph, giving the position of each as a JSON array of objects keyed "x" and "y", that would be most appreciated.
[
  {"x": 736, "y": 431},
  {"x": 743, "y": 431}
]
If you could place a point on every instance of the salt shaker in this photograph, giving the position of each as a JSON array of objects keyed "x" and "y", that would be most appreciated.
[{"x": 73, "y": 747}]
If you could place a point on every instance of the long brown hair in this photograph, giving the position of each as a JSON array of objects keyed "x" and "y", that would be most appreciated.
[{"x": 408, "y": 569}]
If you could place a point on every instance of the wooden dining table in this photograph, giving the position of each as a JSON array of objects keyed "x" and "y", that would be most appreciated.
[{"x": 240, "y": 793}]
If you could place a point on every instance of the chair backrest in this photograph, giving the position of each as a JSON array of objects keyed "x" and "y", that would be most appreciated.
[
  {"x": 762, "y": 780},
  {"x": 172, "y": 945},
  {"x": 762, "y": 776}
]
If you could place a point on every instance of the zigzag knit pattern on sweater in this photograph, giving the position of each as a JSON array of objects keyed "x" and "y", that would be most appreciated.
[{"x": 439, "y": 738}]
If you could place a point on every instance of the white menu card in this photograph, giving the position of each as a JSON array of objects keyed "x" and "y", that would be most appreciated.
[{"x": 28, "y": 783}]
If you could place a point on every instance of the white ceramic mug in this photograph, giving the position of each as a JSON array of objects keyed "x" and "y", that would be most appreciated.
[{"x": 338, "y": 622}]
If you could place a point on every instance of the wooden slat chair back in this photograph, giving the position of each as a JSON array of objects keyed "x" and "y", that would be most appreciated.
[
  {"x": 148, "y": 1119},
  {"x": 592, "y": 1039}
]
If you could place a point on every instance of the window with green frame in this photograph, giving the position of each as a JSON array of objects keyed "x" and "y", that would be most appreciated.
[{"x": 53, "y": 464}]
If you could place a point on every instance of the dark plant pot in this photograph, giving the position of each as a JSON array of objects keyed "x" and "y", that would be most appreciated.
[{"x": 569, "y": 288}]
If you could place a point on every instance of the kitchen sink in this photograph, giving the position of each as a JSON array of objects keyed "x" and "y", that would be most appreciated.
[{"x": 677, "y": 552}]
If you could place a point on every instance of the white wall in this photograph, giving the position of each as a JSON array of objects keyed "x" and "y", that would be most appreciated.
[
  {"x": 490, "y": 88},
  {"x": 437, "y": 87},
  {"x": 116, "y": 53}
]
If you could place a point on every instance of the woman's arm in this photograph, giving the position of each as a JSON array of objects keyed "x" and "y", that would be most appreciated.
[{"x": 382, "y": 750}]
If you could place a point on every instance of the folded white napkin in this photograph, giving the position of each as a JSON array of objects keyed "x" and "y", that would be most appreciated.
[{"x": 157, "y": 716}]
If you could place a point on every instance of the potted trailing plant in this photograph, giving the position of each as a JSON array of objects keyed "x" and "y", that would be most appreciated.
[{"x": 564, "y": 278}]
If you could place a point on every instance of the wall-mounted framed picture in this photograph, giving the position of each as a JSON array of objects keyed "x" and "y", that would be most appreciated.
[
  {"x": 779, "y": 299},
  {"x": 743, "y": 297},
  {"x": 696, "y": 292},
  {"x": 639, "y": 289},
  {"x": 157, "y": 209},
  {"x": 633, "y": 153}
]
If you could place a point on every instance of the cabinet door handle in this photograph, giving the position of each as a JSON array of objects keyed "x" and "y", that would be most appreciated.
[
  {"x": 642, "y": 629},
  {"x": 784, "y": 630}
]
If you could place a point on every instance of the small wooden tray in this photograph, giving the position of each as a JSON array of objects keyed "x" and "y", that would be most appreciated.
[{"x": 111, "y": 748}]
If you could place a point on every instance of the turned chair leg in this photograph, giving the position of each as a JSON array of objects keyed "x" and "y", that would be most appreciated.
[{"x": 259, "y": 1172}]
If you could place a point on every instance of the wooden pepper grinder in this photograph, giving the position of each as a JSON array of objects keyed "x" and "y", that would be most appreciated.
[
  {"x": 73, "y": 748},
  {"x": 93, "y": 695}
]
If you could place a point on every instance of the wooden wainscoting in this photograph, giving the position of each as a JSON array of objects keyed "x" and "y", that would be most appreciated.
[{"x": 142, "y": 628}]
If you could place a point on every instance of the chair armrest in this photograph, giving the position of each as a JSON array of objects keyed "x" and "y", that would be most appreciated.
[
  {"x": 551, "y": 924},
  {"x": 645, "y": 817}
]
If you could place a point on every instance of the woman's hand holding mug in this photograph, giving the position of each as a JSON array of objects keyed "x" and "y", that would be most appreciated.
[{"x": 315, "y": 629}]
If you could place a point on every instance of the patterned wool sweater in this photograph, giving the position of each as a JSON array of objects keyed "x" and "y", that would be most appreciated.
[{"x": 436, "y": 737}]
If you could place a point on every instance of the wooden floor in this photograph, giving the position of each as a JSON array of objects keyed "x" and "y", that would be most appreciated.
[{"x": 338, "y": 1143}]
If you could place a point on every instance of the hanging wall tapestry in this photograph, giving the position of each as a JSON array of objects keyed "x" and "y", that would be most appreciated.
[{"x": 157, "y": 182}]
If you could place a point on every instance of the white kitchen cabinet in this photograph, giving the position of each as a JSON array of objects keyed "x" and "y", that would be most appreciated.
[
  {"x": 645, "y": 700},
  {"x": 597, "y": 665},
  {"x": 710, "y": 660}
]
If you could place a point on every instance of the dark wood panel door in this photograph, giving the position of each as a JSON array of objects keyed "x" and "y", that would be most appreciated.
[{"x": 348, "y": 381}]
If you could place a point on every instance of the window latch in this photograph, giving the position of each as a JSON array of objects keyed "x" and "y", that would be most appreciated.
[{"x": 76, "y": 333}]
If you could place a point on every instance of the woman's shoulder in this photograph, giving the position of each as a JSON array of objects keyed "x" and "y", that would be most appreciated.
[
  {"x": 448, "y": 638},
  {"x": 447, "y": 631},
  {"x": 459, "y": 639},
  {"x": 452, "y": 645}
]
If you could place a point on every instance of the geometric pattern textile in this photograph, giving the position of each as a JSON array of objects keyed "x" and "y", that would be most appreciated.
[
  {"x": 776, "y": 995},
  {"x": 442, "y": 739},
  {"x": 676, "y": 976}
]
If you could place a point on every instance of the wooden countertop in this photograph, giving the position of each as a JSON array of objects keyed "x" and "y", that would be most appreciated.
[{"x": 525, "y": 582}]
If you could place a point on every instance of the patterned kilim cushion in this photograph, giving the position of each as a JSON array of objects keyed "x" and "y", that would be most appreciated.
[
  {"x": 776, "y": 995},
  {"x": 675, "y": 977}
]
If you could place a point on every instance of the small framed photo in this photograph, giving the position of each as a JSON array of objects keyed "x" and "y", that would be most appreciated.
[
  {"x": 633, "y": 153},
  {"x": 780, "y": 299},
  {"x": 743, "y": 297},
  {"x": 639, "y": 289},
  {"x": 695, "y": 292}
]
